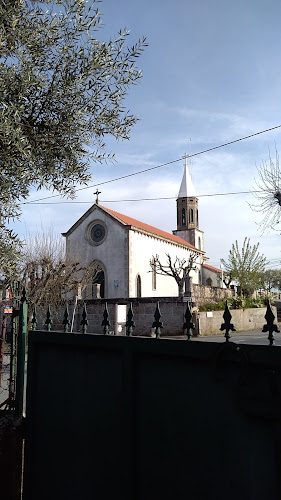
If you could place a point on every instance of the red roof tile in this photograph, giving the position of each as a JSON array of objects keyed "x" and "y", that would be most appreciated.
[
  {"x": 146, "y": 227},
  {"x": 212, "y": 268}
]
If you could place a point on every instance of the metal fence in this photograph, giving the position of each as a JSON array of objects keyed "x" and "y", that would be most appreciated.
[{"x": 137, "y": 419}]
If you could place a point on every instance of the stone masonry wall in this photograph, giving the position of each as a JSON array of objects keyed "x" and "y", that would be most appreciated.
[
  {"x": 209, "y": 294},
  {"x": 172, "y": 311}
]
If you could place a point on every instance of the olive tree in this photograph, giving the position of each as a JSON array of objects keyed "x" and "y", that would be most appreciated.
[{"x": 62, "y": 91}]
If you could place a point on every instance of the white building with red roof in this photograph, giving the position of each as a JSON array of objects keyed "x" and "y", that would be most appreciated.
[{"x": 123, "y": 247}]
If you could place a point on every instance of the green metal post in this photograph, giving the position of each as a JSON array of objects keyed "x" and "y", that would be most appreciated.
[
  {"x": 21, "y": 355},
  {"x": 13, "y": 360}
]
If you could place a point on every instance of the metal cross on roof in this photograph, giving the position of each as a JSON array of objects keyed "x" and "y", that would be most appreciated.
[{"x": 97, "y": 194}]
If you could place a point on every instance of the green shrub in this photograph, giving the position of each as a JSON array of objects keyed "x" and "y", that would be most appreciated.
[
  {"x": 218, "y": 306},
  {"x": 234, "y": 303}
]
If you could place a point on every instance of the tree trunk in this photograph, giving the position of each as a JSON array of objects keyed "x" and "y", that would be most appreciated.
[{"x": 181, "y": 289}]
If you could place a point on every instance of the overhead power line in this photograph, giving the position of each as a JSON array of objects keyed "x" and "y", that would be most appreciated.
[
  {"x": 162, "y": 164},
  {"x": 135, "y": 199}
]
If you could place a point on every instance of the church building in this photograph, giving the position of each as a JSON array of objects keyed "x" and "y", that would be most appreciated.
[{"x": 123, "y": 248}]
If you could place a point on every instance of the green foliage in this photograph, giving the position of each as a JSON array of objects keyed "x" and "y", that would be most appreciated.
[
  {"x": 62, "y": 91},
  {"x": 235, "y": 303},
  {"x": 10, "y": 256},
  {"x": 245, "y": 266},
  {"x": 217, "y": 306},
  {"x": 271, "y": 278}
]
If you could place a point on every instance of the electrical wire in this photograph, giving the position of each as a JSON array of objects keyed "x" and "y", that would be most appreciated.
[
  {"x": 137, "y": 199},
  {"x": 162, "y": 164}
]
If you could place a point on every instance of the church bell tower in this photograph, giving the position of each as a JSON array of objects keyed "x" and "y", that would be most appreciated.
[{"x": 187, "y": 212}]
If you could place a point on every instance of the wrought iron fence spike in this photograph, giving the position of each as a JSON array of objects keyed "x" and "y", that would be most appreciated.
[
  {"x": 270, "y": 327},
  {"x": 84, "y": 321},
  {"x": 34, "y": 318},
  {"x": 105, "y": 322},
  {"x": 24, "y": 296},
  {"x": 227, "y": 326},
  {"x": 157, "y": 323},
  {"x": 130, "y": 324},
  {"x": 48, "y": 321},
  {"x": 66, "y": 322},
  {"x": 188, "y": 324}
]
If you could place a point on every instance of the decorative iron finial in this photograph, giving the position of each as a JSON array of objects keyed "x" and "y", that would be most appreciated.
[
  {"x": 34, "y": 319},
  {"x": 227, "y": 325},
  {"x": 188, "y": 325},
  {"x": 157, "y": 323},
  {"x": 24, "y": 296},
  {"x": 105, "y": 322},
  {"x": 84, "y": 321},
  {"x": 48, "y": 321},
  {"x": 130, "y": 324},
  {"x": 66, "y": 322},
  {"x": 97, "y": 196},
  {"x": 269, "y": 326}
]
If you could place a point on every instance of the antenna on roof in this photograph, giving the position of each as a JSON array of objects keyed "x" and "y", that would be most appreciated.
[
  {"x": 190, "y": 160},
  {"x": 187, "y": 160}
]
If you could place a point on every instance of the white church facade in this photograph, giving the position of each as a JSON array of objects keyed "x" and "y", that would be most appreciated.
[{"x": 123, "y": 247}]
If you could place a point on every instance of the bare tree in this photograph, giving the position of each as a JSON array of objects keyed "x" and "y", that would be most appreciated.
[
  {"x": 48, "y": 275},
  {"x": 268, "y": 193},
  {"x": 179, "y": 269}
]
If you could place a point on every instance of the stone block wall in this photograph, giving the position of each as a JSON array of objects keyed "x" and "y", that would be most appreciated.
[
  {"x": 172, "y": 310},
  {"x": 202, "y": 294}
]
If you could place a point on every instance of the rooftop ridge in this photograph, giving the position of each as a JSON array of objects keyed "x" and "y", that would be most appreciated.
[{"x": 125, "y": 219}]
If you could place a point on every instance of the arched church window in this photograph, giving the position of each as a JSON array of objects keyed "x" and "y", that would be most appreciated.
[
  {"x": 199, "y": 278},
  {"x": 199, "y": 243},
  {"x": 138, "y": 286},
  {"x": 183, "y": 217},
  {"x": 209, "y": 281},
  {"x": 197, "y": 218},
  {"x": 191, "y": 215}
]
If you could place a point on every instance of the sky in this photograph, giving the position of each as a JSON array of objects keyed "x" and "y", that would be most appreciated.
[{"x": 211, "y": 75}]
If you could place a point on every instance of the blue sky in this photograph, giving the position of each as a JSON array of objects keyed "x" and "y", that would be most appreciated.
[{"x": 211, "y": 74}]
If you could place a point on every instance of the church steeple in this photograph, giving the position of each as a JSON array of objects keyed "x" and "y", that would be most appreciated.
[
  {"x": 187, "y": 188},
  {"x": 187, "y": 211}
]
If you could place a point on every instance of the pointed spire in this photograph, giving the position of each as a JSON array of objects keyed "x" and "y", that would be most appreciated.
[{"x": 187, "y": 189}]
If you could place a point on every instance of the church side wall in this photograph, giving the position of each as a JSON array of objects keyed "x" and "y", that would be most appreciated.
[
  {"x": 215, "y": 277},
  {"x": 142, "y": 248}
]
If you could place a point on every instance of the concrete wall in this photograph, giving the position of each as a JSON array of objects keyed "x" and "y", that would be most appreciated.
[{"x": 243, "y": 320}]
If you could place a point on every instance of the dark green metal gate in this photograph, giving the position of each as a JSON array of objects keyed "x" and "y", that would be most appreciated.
[{"x": 135, "y": 418}]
